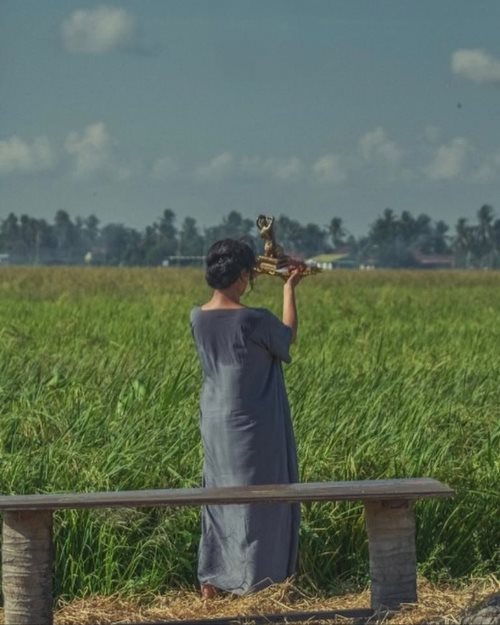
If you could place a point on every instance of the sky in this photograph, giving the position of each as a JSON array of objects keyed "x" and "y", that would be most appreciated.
[{"x": 308, "y": 108}]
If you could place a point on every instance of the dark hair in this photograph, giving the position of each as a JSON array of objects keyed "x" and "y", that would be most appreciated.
[{"x": 225, "y": 261}]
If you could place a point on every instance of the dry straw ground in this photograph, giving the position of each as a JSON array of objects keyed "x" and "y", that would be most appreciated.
[{"x": 438, "y": 604}]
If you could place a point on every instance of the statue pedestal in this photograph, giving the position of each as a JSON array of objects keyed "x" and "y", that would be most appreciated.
[
  {"x": 267, "y": 264},
  {"x": 282, "y": 266}
]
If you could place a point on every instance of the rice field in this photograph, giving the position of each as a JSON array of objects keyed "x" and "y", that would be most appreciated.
[{"x": 395, "y": 374}]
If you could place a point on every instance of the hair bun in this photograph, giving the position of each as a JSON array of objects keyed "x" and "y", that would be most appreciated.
[{"x": 225, "y": 261}]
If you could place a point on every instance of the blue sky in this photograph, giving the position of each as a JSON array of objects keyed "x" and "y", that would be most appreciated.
[{"x": 309, "y": 108}]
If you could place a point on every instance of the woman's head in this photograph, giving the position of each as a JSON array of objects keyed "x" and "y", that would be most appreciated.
[{"x": 226, "y": 261}]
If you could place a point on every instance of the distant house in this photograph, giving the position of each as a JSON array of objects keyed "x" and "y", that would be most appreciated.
[
  {"x": 334, "y": 261},
  {"x": 183, "y": 261},
  {"x": 4, "y": 259},
  {"x": 434, "y": 261}
]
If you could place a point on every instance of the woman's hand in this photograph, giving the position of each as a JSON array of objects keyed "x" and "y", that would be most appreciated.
[{"x": 294, "y": 277}]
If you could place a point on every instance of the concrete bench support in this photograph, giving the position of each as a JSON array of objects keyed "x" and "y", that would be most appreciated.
[
  {"x": 391, "y": 543},
  {"x": 27, "y": 560}
]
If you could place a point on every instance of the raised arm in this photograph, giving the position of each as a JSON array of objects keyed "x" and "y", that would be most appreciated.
[{"x": 290, "y": 316}]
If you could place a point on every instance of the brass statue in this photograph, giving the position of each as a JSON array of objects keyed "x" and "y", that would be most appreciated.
[
  {"x": 271, "y": 248},
  {"x": 275, "y": 262}
]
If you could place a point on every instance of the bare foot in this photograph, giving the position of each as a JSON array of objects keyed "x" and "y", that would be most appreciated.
[{"x": 208, "y": 591}]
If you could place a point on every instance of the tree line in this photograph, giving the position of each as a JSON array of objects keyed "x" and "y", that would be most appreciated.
[{"x": 393, "y": 240}]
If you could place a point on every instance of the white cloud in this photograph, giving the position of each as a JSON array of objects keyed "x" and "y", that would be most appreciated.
[
  {"x": 98, "y": 30},
  {"x": 376, "y": 147},
  {"x": 328, "y": 168},
  {"x": 217, "y": 168},
  {"x": 286, "y": 169},
  {"x": 18, "y": 156},
  {"x": 489, "y": 170},
  {"x": 226, "y": 164},
  {"x": 432, "y": 133},
  {"x": 449, "y": 160},
  {"x": 476, "y": 65},
  {"x": 164, "y": 167},
  {"x": 91, "y": 150}
]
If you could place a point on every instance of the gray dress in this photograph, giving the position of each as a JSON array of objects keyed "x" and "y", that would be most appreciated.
[{"x": 247, "y": 439}]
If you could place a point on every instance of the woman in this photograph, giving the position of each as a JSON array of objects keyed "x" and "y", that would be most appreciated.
[{"x": 245, "y": 426}]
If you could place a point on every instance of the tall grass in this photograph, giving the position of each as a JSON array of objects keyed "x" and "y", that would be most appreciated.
[{"x": 394, "y": 375}]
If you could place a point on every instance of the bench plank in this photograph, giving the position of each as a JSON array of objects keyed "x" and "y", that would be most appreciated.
[
  {"x": 364, "y": 490},
  {"x": 27, "y": 537}
]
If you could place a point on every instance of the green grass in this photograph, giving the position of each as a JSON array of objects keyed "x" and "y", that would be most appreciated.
[{"x": 394, "y": 375}]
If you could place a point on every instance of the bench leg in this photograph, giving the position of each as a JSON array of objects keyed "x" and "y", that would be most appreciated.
[
  {"x": 27, "y": 558},
  {"x": 391, "y": 543}
]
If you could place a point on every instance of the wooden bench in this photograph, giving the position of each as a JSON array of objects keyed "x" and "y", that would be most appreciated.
[{"x": 27, "y": 549}]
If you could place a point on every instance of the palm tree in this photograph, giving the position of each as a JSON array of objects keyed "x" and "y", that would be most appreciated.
[
  {"x": 337, "y": 232},
  {"x": 485, "y": 234},
  {"x": 463, "y": 243},
  {"x": 440, "y": 238}
]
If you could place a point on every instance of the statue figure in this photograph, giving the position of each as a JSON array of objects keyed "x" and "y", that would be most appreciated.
[
  {"x": 271, "y": 248},
  {"x": 274, "y": 261}
]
